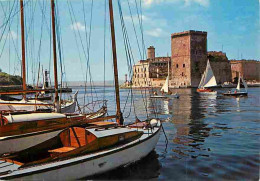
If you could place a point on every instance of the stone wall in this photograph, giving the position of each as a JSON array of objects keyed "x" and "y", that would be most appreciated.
[
  {"x": 221, "y": 66},
  {"x": 189, "y": 58},
  {"x": 249, "y": 69}
]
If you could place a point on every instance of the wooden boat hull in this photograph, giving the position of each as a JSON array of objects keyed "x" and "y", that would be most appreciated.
[
  {"x": 236, "y": 94},
  {"x": 23, "y": 141},
  {"x": 91, "y": 164},
  {"x": 206, "y": 91}
]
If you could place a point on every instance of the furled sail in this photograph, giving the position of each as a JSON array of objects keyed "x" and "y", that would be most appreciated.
[
  {"x": 165, "y": 87},
  {"x": 209, "y": 79}
]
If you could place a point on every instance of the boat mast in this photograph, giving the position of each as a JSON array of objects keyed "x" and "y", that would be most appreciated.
[
  {"x": 23, "y": 48},
  {"x": 119, "y": 118},
  {"x": 54, "y": 55}
]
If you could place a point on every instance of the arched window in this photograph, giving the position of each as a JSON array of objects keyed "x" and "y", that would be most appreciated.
[
  {"x": 182, "y": 74},
  {"x": 177, "y": 65},
  {"x": 183, "y": 65}
]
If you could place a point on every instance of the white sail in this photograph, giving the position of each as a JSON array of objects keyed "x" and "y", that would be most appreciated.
[
  {"x": 202, "y": 81},
  {"x": 209, "y": 78},
  {"x": 165, "y": 87},
  {"x": 238, "y": 83},
  {"x": 244, "y": 83}
]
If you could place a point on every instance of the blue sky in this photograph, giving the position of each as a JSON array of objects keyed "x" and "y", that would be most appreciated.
[{"x": 232, "y": 25}]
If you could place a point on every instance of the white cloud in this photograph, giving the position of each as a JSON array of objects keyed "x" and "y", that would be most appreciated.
[
  {"x": 78, "y": 26},
  {"x": 135, "y": 18},
  {"x": 157, "y": 32},
  {"x": 148, "y": 3},
  {"x": 12, "y": 34}
]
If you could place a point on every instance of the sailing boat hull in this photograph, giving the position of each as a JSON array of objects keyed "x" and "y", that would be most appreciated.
[
  {"x": 24, "y": 141},
  {"x": 91, "y": 164},
  {"x": 206, "y": 91},
  {"x": 17, "y": 143},
  {"x": 238, "y": 94}
]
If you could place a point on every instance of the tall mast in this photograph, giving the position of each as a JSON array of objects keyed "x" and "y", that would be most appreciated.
[
  {"x": 54, "y": 54},
  {"x": 23, "y": 48},
  {"x": 119, "y": 118}
]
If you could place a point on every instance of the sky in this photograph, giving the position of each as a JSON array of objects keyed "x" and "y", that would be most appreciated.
[{"x": 232, "y": 26}]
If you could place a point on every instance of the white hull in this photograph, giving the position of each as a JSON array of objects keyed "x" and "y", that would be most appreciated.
[
  {"x": 91, "y": 164},
  {"x": 24, "y": 141},
  {"x": 69, "y": 108},
  {"x": 162, "y": 97},
  {"x": 14, "y": 144}
]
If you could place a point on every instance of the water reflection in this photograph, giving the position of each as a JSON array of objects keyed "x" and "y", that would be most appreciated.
[
  {"x": 146, "y": 168},
  {"x": 210, "y": 136}
]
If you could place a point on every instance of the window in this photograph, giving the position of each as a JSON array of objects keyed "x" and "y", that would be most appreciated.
[
  {"x": 183, "y": 65},
  {"x": 138, "y": 69},
  {"x": 177, "y": 65},
  {"x": 182, "y": 74}
]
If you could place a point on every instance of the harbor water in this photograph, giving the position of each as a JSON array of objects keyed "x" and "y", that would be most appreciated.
[{"x": 210, "y": 137}]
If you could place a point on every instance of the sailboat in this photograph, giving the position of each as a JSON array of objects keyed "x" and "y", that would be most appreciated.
[
  {"x": 238, "y": 91},
  {"x": 22, "y": 127},
  {"x": 165, "y": 89},
  {"x": 80, "y": 151},
  {"x": 28, "y": 104},
  {"x": 207, "y": 80}
]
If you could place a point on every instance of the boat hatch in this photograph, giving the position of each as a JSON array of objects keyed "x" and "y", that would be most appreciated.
[{"x": 71, "y": 139}]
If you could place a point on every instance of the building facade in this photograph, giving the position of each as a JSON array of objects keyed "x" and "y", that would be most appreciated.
[
  {"x": 151, "y": 72},
  {"x": 189, "y": 58},
  {"x": 249, "y": 69}
]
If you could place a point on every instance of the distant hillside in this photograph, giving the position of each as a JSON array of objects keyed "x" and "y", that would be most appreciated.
[{"x": 6, "y": 79}]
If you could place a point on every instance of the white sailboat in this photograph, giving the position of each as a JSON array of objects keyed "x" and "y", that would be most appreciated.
[
  {"x": 207, "y": 80},
  {"x": 238, "y": 91},
  {"x": 165, "y": 89}
]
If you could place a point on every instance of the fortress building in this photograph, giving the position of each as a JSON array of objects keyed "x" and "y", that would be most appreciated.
[
  {"x": 221, "y": 66},
  {"x": 249, "y": 69},
  {"x": 188, "y": 62},
  {"x": 189, "y": 58}
]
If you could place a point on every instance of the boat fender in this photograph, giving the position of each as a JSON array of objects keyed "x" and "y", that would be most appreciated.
[{"x": 153, "y": 123}]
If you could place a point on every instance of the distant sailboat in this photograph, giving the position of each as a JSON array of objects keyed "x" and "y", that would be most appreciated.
[
  {"x": 238, "y": 91},
  {"x": 165, "y": 88},
  {"x": 208, "y": 80}
]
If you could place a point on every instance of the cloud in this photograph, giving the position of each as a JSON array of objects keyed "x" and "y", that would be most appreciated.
[
  {"x": 148, "y": 3},
  {"x": 157, "y": 32},
  {"x": 12, "y": 34},
  {"x": 78, "y": 26}
]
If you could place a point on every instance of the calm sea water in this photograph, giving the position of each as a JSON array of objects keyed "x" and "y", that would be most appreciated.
[{"x": 209, "y": 137}]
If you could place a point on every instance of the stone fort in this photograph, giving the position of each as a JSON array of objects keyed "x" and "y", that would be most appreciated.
[{"x": 186, "y": 65}]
